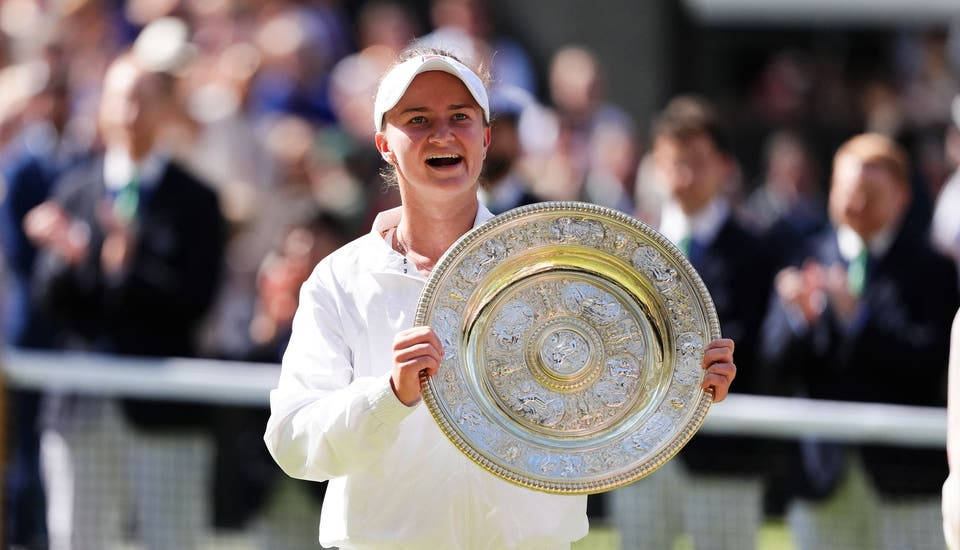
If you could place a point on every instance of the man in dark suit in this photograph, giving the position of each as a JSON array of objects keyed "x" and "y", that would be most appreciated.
[
  {"x": 132, "y": 249},
  {"x": 714, "y": 490},
  {"x": 866, "y": 317}
]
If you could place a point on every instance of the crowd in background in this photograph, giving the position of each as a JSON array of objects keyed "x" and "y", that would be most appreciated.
[{"x": 271, "y": 109}]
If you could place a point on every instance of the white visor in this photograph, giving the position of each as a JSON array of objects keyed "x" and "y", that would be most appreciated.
[{"x": 395, "y": 84}]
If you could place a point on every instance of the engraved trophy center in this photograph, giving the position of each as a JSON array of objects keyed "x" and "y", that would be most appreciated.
[{"x": 564, "y": 352}]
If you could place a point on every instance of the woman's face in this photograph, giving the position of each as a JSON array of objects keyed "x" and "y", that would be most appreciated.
[{"x": 435, "y": 137}]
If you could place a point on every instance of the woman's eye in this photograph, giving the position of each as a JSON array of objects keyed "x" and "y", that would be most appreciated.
[
  {"x": 460, "y": 116},
  {"x": 418, "y": 120}
]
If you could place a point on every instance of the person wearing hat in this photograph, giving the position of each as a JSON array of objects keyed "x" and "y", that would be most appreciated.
[{"x": 347, "y": 405}]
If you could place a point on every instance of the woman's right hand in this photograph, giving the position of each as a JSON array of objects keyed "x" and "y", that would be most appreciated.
[{"x": 415, "y": 350}]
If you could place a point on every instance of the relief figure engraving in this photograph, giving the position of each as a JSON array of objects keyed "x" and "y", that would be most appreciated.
[
  {"x": 596, "y": 305},
  {"x": 447, "y": 326},
  {"x": 568, "y": 229},
  {"x": 476, "y": 265},
  {"x": 536, "y": 405},
  {"x": 565, "y": 352},
  {"x": 648, "y": 260},
  {"x": 511, "y": 322}
]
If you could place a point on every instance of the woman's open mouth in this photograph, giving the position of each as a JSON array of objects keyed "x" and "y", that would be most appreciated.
[{"x": 438, "y": 161}]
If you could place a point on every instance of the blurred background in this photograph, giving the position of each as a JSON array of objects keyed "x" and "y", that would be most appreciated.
[{"x": 271, "y": 107}]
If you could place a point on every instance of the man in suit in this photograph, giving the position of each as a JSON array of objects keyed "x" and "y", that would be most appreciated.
[
  {"x": 132, "y": 249},
  {"x": 714, "y": 490},
  {"x": 866, "y": 317}
]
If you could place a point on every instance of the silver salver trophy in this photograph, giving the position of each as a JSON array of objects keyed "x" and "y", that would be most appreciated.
[{"x": 573, "y": 336}]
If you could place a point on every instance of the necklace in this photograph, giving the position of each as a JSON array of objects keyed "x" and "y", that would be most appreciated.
[
  {"x": 399, "y": 245},
  {"x": 424, "y": 265}
]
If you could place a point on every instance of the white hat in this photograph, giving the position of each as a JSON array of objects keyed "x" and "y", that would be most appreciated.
[{"x": 395, "y": 84}]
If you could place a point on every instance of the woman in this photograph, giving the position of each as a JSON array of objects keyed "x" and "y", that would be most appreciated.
[{"x": 347, "y": 405}]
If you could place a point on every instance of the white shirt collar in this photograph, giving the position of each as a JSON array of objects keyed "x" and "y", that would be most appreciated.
[
  {"x": 119, "y": 169},
  {"x": 850, "y": 243},
  {"x": 702, "y": 226},
  {"x": 389, "y": 219},
  {"x": 386, "y": 223}
]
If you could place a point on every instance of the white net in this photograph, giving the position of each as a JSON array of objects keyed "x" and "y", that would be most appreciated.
[{"x": 216, "y": 488}]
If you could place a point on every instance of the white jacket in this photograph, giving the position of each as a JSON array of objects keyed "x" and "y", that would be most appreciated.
[
  {"x": 951, "y": 487},
  {"x": 395, "y": 480}
]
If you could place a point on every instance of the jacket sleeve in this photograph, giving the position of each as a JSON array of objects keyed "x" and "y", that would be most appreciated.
[{"x": 325, "y": 422}]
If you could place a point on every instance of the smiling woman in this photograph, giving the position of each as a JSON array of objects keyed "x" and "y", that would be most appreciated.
[
  {"x": 409, "y": 65},
  {"x": 347, "y": 407},
  {"x": 432, "y": 117}
]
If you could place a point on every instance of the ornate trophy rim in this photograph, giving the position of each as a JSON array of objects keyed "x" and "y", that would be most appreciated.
[{"x": 539, "y": 450}]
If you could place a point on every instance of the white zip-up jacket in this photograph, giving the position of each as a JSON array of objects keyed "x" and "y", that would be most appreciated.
[{"x": 395, "y": 480}]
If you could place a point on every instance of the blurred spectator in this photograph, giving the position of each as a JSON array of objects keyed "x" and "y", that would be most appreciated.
[
  {"x": 503, "y": 184},
  {"x": 582, "y": 124},
  {"x": 212, "y": 133},
  {"x": 871, "y": 296},
  {"x": 714, "y": 489},
  {"x": 613, "y": 159},
  {"x": 946, "y": 215},
  {"x": 781, "y": 94},
  {"x": 577, "y": 90},
  {"x": 281, "y": 512},
  {"x": 786, "y": 207},
  {"x": 927, "y": 81},
  {"x": 132, "y": 248},
  {"x": 882, "y": 107},
  {"x": 467, "y": 28},
  {"x": 384, "y": 29},
  {"x": 300, "y": 42},
  {"x": 648, "y": 195},
  {"x": 91, "y": 33},
  {"x": 40, "y": 152},
  {"x": 301, "y": 247}
]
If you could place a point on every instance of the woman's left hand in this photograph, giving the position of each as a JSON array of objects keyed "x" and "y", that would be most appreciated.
[{"x": 718, "y": 362}]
